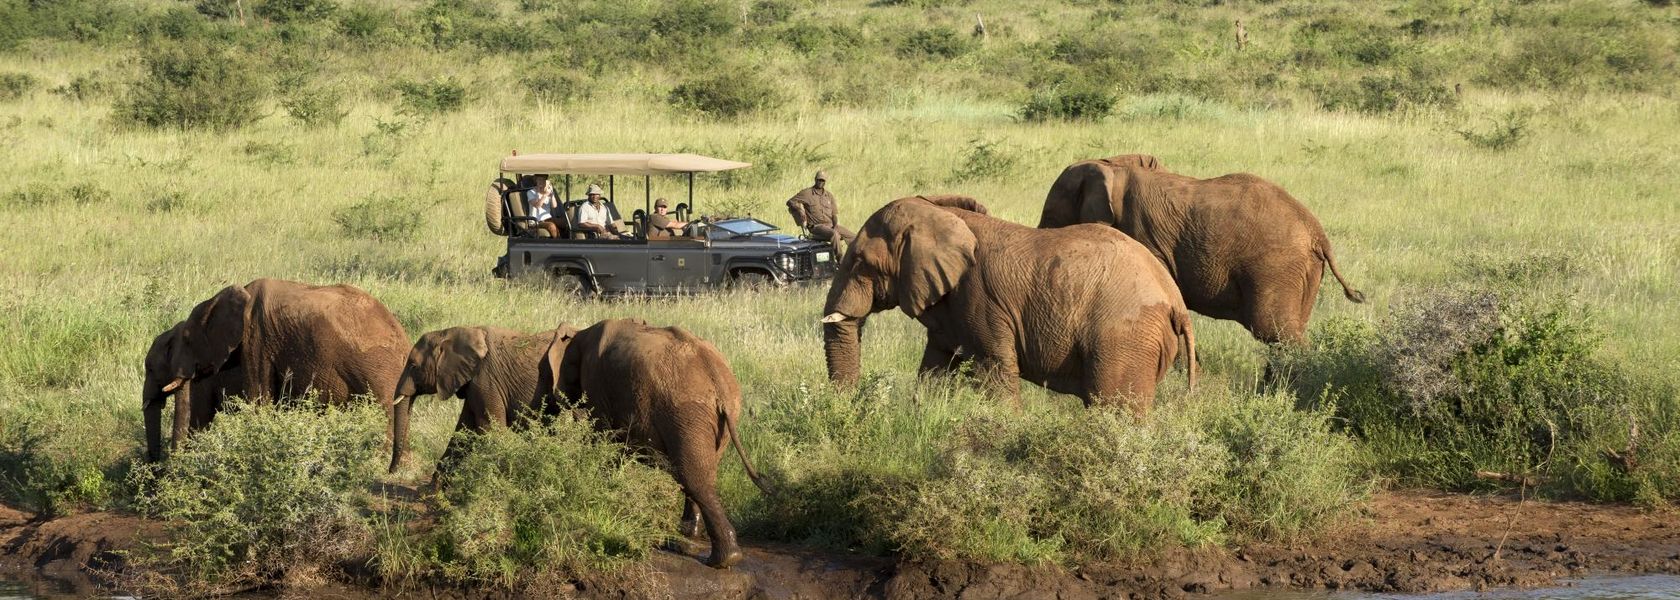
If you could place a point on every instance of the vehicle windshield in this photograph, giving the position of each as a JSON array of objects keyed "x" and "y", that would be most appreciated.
[{"x": 744, "y": 226}]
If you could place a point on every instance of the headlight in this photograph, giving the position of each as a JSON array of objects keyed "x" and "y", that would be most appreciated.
[{"x": 785, "y": 261}]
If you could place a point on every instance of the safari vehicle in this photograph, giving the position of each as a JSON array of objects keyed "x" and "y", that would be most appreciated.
[{"x": 711, "y": 253}]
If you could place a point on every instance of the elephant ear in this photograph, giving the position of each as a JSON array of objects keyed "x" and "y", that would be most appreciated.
[
  {"x": 214, "y": 329},
  {"x": 556, "y": 355},
  {"x": 933, "y": 255},
  {"x": 458, "y": 359},
  {"x": 1101, "y": 188}
]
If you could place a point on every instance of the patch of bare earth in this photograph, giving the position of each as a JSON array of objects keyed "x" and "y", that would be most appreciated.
[{"x": 1401, "y": 542}]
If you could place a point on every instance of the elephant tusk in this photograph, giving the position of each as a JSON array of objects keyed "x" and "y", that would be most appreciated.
[
  {"x": 834, "y": 317},
  {"x": 173, "y": 385}
]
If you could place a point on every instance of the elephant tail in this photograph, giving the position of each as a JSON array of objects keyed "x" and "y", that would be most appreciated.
[
  {"x": 1329, "y": 258},
  {"x": 728, "y": 421},
  {"x": 1181, "y": 326}
]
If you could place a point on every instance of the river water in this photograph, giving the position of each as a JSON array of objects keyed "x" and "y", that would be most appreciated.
[{"x": 1644, "y": 587}]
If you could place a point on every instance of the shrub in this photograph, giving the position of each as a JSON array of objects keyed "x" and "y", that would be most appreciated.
[
  {"x": 315, "y": 107},
  {"x": 811, "y": 38},
  {"x": 49, "y": 466},
  {"x": 938, "y": 42},
  {"x": 380, "y": 217},
  {"x": 730, "y": 95},
  {"x": 385, "y": 142},
  {"x": 985, "y": 160},
  {"x": 1505, "y": 132},
  {"x": 83, "y": 87},
  {"x": 44, "y": 194},
  {"x": 557, "y": 501},
  {"x": 269, "y": 154},
  {"x": 263, "y": 492},
  {"x": 770, "y": 12},
  {"x": 689, "y": 20},
  {"x": 431, "y": 98},
  {"x": 16, "y": 85},
  {"x": 1068, "y": 104},
  {"x": 556, "y": 83},
  {"x": 193, "y": 85},
  {"x": 1383, "y": 94},
  {"x": 1469, "y": 390},
  {"x": 287, "y": 11}
]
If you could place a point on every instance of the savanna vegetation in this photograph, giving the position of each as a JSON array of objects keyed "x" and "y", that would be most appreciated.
[{"x": 1497, "y": 177}]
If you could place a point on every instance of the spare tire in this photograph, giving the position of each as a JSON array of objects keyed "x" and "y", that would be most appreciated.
[{"x": 493, "y": 206}]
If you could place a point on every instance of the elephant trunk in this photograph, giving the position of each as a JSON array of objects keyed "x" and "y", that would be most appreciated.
[
  {"x": 841, "y": 341},
  {"x": 151, "y": 408},
  {"x": 399, "y": 431},
  {"x": 183, "y": 414}
]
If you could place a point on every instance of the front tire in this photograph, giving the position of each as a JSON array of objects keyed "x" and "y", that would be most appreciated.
[{"x": 751, "y": 280}]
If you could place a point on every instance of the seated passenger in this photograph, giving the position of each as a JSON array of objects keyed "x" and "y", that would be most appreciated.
[
  {"x": 540, "y": 204},
  {"x": 660, "y": 223},
  {"x": 595, "y": 217}
]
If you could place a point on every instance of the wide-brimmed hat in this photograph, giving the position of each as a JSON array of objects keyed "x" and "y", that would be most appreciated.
[
  {"x": 660, "y": 203},
  {"x": 593, "y": 189},
  {"x": 821, "y": 176}
]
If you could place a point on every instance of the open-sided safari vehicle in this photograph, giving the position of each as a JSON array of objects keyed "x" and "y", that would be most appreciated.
[{"x": 710, "y": 253}]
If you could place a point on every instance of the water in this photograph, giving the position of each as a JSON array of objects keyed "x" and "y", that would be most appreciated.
[{"x": 1643, "y": 587}]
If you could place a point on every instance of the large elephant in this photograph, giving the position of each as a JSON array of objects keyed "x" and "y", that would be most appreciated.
[
  {"x": 665, "y": 391},
  {"x": 504, "y": 377},
  {"x": 1081, "y": 310},
  {"x": 272, "y": 339},
  {"x": 1238, "y": 246}
]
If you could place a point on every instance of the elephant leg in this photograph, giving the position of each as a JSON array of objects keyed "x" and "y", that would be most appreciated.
[
  {"x": 690, "y": 526},
  {"x": 1273, "y": 314},
  {"x": 1120, "y": 375},
  {"x": 694, "y": 459},
  {"x": 937, "y": 362},
  {"x": 456, "y": 447},
  {"x": 1000, "y": 377}
]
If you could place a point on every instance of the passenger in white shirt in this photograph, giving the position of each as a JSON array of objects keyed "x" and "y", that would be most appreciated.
[
  {"x": 595, "y": 217},
  {"x": 540, "y": 204}
]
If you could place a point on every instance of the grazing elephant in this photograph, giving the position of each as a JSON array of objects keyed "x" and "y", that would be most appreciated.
[
  {"x": 665, "y": 391},
  {"x": 267, "y": 340},
  {"x": 1081, "y": 310},
  {"x": 504, "y": 376},
  {"x": 1239, "y": 247}
]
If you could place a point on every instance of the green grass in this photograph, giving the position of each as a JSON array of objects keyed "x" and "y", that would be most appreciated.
[{"x": 1518, "y": 145}]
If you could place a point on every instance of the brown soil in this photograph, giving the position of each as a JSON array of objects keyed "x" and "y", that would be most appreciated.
[{"x": 1401, "y": 542}]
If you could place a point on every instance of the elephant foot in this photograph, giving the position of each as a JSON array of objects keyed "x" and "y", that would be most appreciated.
[
  {"x": 723, "y": 559},
  {"x": 689, "y": 528}
]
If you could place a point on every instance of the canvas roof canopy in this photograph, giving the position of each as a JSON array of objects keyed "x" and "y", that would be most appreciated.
[{"x": 617, "y": 164}]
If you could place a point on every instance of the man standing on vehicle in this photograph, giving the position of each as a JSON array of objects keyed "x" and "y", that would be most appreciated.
[
  {"x": 595, "y": 217},
  {"x": 660, "y": 224},
  {"x": 814, "y": 209}
]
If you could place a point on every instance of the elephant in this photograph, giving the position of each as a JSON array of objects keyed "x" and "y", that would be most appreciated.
[
  {"x": 665, "y": 391},
  {"x": 1081, "y": 310},
  {"x": 505, "y": 377},
  {"x": 270, "y": 340},
  {"x": 1239, "y": 247}
]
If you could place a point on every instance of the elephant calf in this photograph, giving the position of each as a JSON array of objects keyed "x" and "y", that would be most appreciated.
[
  {"x": 270, "y": 340},
  {"x": 505, "y": 377},
  {"x": 666, "y": 391},
  {"x": 1239, "y": 247},
  {"x": 1081, "y": 310}
]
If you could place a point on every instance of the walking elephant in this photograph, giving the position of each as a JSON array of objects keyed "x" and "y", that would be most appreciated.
[
  {"x": 505, "y": 377},
  {"x": 1238, "y": 246},
  {"x": 1081, "y": 310},
  {"x": 665, "y": 391},
  {"x": 271, "y": 339}
]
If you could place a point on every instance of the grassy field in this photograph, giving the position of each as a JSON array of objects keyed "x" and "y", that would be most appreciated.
[{"x": 1548, "y": 175}]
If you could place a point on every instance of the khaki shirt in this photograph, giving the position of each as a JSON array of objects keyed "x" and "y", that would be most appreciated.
[{"x": 813, "y": 206}]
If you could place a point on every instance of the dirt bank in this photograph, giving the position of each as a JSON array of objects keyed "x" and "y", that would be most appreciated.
[{"x": 1402, "y": 542}]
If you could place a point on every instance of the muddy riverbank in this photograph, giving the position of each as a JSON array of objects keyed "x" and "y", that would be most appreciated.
[{"x": 1401, "y": 542}]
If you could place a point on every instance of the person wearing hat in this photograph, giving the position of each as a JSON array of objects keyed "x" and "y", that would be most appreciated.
[
  {"x": 815, "y": 210},
  {"x": 660, "y": 224},
  {"x": 596, "y": 217}
]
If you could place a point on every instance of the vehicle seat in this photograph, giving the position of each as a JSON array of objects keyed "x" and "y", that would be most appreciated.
[
  {"x": 681, "y": 211},
  {"x": 513, "y": 201},
  {"x": 639, "y": 224}
]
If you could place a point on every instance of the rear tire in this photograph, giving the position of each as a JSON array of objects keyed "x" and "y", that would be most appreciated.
[{"x": 572, "y": 282}]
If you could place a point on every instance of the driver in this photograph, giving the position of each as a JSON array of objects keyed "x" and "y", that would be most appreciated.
[
  {"x": 594, "y": 216},
  {"x": 814, "y": 209},
  {"x": 660, "y": 224}
]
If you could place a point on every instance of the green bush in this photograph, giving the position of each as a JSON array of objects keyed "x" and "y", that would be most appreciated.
[
  {"x": 985, "y": 160},
  {"x": 426, "y": 98},
  {"x": 43, "y": 194},
  {"x": 938, "y": 42},
  {"x": 1504, "y": 133},
  {"x": 315, "y": 107},
  {"x": 556, "y": 83},
  {"x": 370, "y": 23},
  {"x": 557, "y": 501},
  {"x": 1068, "y": 104},
  {"x": 813, "y": 38},
  {"x": 380, "y": 217},
  {"x": 733, "y": 94},
  {"x": 691, "y": 20},
  {"x": 263, "y": 492},
  {"x": 1475, "y": 390},
  {"x": 287, "y": 11},
  {"x": 83, "y": 87},
  {"x": 193, "y": 85},
  {"x": 1383, "y": 94},
  {"x": 771, "y": 12},
  {"x": 49, "y": 466},
  {"x": 14, "y": 86}
]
